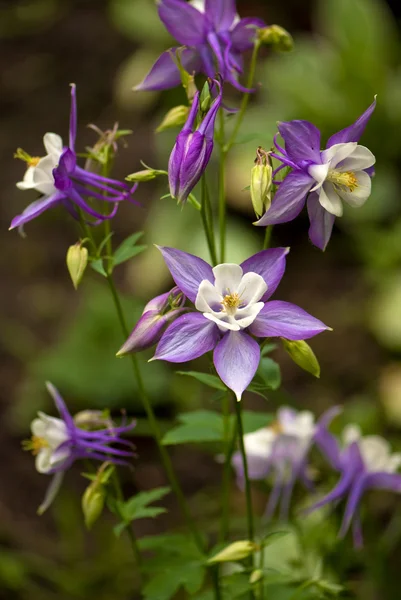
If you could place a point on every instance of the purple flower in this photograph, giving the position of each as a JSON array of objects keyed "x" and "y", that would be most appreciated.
[
  {"x": 215, "y": 39},
  {"x": 231, "y": 308},
  {"x": 279, "y": 450},
  {"x": 59, "y": 180},
  {"x": 365, "y": 463},
  {"x": 342, "y": 172},
  {"x": 192, "y": 150},
  {"x": 58, "y": 442},
  {"x": 156, "y": 316}
]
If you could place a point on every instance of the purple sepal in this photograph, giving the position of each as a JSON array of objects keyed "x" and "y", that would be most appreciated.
[
  {"x": 283, "y": 319},
  {"x": 187, "y": 338},
  {"x": 236, "y": 358},
  {"x": 73, "y": 117},
  {"x": 187, "y": 270},
  {"x": 302, "y": 141},
  {"x": 183, "y": 21},
  {"x": 354, "y": 132},
  {"x": 326, "y": 441},
  {"x": 243, "y": 34},
  {"x": 35, "y": 209},
  {"x": 269, "y": 264},
  {"x": 221, "y": 13},
  {"x": 165, "y": 74},
  {"x": 289, "y": 199},
  {"x": 321, "y": 222}
]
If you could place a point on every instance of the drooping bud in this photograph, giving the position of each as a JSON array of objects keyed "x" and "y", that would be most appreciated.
[
  {"x": 93, "y": 503},
  {"x": 302, "y": 355},
  {"x": 261, "y": 183},
  {"x": 205, "y": 99},
  {"x": 235, "y": 551},
  {"x": 175, "y": 117},
  {"x": 277, "y": 37},
  {"x": 145, "y": 175},
  {"x": 156, "y": 316},
  {"x": 256, "y": 576},
  {"x": 77, "y": 260}
]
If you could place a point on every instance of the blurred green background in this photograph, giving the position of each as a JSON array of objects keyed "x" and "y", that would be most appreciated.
[{"x": 346, "y": 52}]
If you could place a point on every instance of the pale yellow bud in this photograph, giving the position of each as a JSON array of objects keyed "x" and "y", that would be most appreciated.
[
  {"x": 93, "y": 503},
  {"x": 235, "y": 551},
  {"x": 77, "y": 260},
  {"x": 302, "y": 355},
  {"x": 174, "y": 118},
  {"x": 278, "y": 37},
  {"x": 255, "y": 576},
  {"x": 261, "y": 184}
]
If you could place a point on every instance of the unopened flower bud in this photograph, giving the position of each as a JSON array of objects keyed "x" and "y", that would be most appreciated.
[
  {"x": 261, "y": 183},
  {"x": 235, "y": 551},
  {"x": 145, "y": 175},
  {"x": 77, "y": 260},
  {"x": 256, "y": 576},
  {"x": 278, "y": 37},
  {"x": 93, "y": 503},
  {"x": 205, "y": 99},
  {"x": 175, "y": 117},
  {"x": 302, "y": 355}
]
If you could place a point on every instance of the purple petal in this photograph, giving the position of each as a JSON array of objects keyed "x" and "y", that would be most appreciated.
[
  {"x": 275, "y": 493},
  {"x": 236, "y": 358},
  {"x": 187, "y": 270},
  {"x": 51, "y": 492},
  {"x": 190, "y": 336},
  {"x": 73, "y": 118},
  {"x": 60, "y": 404},
  {"x": 243, "y": 34},
  {"x": 207, "y": 125},
  {"x": 283, "y": 319},
  {"x": 289, "y": 199},
  {"x": 326, "y": 441},
  {"x": 185, "y": 23},
  {"x": 354, "y": 132},
  {"x": 351, "y": 509},
  {"x": 221, "y": 13},
  {"x": 302, "y": 141},
  {"x": 160, "y": 302},
  {"x": 165, "y": 74},
  {"x": 269, "y": 264},
  {"x": 258, "y": 467},
  {"x": 338, "y": 492},
  {"x": 321, "y": 222},
  {"x": 176, "y": 160},
  {"x": 35, "y": 209},
  {"x": 384, "y": 481},
  {"x": 148, "y": 331},
  {"x": 357, "y": 531},
  {"x": 286, "y": 496}
]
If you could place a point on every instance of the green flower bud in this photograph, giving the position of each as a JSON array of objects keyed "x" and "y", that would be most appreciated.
[
  {"x": 278, "y": 37},
  {"x": 303, "y": 355},
  {"x": 145, "y": 175},
  {"x": 235, "y": 551},
  {"x": 174, "y": 118},
  {"x": 255, "y": 576},
  {"x": 261, "y": 185},
  {"x": 205, "y": 99},
  {"x": 93, "y": 503},
  {"x": 77, "y": 260}
]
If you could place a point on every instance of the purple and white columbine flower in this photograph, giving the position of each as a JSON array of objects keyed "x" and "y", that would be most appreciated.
[
  {"x": 232, "y": 309},
  {"x": 365, "y": 463},
  {"x": 58, "y": 442},
  {"x": 59, "y": 180},
  {"x": 279, "y": 450},
  {"x": 193, "y": 149},
  {"x": 342, "y": 172},
  {"x": 215, "y": 39}
]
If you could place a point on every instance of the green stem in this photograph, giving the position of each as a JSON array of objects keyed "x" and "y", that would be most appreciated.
[
  {"x": 268, "y": 235},
  {"x": 129, "y": 530},
  {"x": 248, "y": 495},
  {"x": 229, "y": 451},
  {"x": 167, "y": 464},
  {"x": 207, "y": 220},
  {"x": 301, "y": 589},
  {"x": 222, "y": 188},
  {"x": 245, "y": 97}
]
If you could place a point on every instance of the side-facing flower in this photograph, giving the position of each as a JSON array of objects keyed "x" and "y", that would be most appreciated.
[
  {"x": 58, "y": 442},
  {"x": 156, "y": 316},
  {"x": 280, "y": 451},
  {"x": 193, "y": 149},
  {"x": 364, "y": 463},
  {"x": 59, "y": 180},
  {"x": 232, "y": 308},
  {"x": 340, "y": 173},
  {"x": 214, "y": 38}
]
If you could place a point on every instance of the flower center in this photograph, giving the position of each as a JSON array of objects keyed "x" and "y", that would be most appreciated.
[
  {"x": 33, "y": 161},
  {"x": 231, "y": 302},
  {"x": 277, "y": 428},
  {"x": 35, "y": 444},
  {"x": 345, "y": 180}
]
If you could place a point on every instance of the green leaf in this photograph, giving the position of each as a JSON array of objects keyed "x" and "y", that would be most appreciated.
[
  {"x": 97, "y": 265},
  {"x": 128, "y": 248},
  {"x": 168, "y": 575},
  {"x": 197, "y": 426},
  {"x": 138, "y": 502},
  {"x": 149, "y": 512},
  {"x": 210, "y": 380},
  {"x": 270, "y": 373}
]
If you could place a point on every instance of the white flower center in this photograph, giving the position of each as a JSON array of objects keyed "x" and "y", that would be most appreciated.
[
  {"x": 375, "y": 451},
  {"x": 39, "y": 175},
  {"x": 342, "y": 176},
  {"x": 232, "y": 302},
  {"x": 48, "y": 433}
]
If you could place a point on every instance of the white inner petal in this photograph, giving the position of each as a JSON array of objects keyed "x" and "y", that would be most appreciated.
[
  {"x": 376, "y": 454},
  {"x": 251, "y": 288},
  {"x": 53, "y": 144},
  {"x": 360, "y": 194},
  {"x": 259, "y": 443},
  {"x": 330, "y": 200},
  {"x": 361, "y": 158},
  {"x": 337, "y": 153},
  {"x": 319, "y": 174},
  {"x": 227, "y": 278}
]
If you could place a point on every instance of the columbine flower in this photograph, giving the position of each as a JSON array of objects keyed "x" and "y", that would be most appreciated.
[
  {"x": 59, "y": 180},
  {"x": 279, "y": 450},
  {"x": 215, "y": 39},
  {"x": 192, "y": 150},
  {"x": 365, "y": 463},
  {"x": 58, "y": 442},
  {"x": 156, "y": 316},
  {"x": 231, "y": 306},
  {"x": 339, "y": 173}
]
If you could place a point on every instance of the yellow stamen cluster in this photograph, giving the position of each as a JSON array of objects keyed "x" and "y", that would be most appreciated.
[
  {"x": 346, "y": 180},
  {"x": 276, "y": 427},
  {"x": 35, "y": 444},
  {"x": 33, "y": 161},
  {"x": 231, "y": 302}
]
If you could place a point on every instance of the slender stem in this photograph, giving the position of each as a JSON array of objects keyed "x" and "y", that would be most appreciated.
[
  {"x": 249, "y": 511},
  {"x": 153, "y": 422},
  {"x": 222, "y": 188},
  {"x": 207, "y": 221},
  {"x": 268, "y": 235},
  {"x": 229, "y": 442},
  {"x": 129, "y": 529},
  {"x": 216, "y": 582},
  {"x": 245, "y": 97}
]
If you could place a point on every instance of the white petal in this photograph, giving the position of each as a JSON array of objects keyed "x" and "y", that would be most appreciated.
[
  {"x": 259, "y": 443},
  {"x": 338, "y": 153},
  {"x": 330, "y": 200},
  {"x": 51, "y": 429},
  {"x": 198, "y": 4},
  {"x": 251, "y": 288},
  {"x": 319, "y": 174},
  {"x": 246, "y": 316},
  {"x": 360, "y": 194},
  {"x": 208, "y": 299},
  {"x": 43, "y": 460},
  {"x": 360, "y": 159},
  {"x": 53, "y": 144},
  {"x": 51, "y": 492},
  {"x": 28, "y": 182},
  {"x": 375, "y": 452},
  {"x": 394, "y": 462},
  {"x": 351, "y": 434},
  {"x": 227, "y": 278},
  {"x": 224, "y": 321}
]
